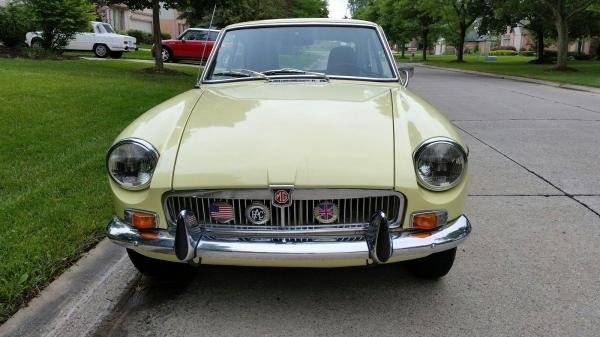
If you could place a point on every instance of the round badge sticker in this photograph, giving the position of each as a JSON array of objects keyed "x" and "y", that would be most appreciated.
[
  {"x": 326, "y": 212},
  {"x": 258, "y": 214}
]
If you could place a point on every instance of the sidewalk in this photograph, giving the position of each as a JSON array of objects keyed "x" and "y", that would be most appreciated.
[{"x": 142, "y": 61}]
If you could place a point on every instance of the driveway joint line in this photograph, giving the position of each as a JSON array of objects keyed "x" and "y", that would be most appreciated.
[
  {"x": 553, "y": 101},
  {"x": 570, "y": 196}
]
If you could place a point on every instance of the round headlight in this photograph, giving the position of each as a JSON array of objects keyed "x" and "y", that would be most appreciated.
[
  {"x": 440, "y": 164},
  {"x": 131, "y": 163}
]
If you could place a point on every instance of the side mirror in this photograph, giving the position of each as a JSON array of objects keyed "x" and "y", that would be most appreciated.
[{"x": 406, "y": 72}]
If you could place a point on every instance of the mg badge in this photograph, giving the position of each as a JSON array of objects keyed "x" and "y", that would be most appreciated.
[
  {"x": 282, "y": 197},
  {"x": 258, "y": 214},
  {"x": 326, "y": 212}
]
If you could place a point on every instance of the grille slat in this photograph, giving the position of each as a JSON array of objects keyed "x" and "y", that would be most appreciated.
[{"x": 354, "y": 206}]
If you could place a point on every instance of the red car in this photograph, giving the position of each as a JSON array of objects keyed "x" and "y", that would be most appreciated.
[{"x": 193, "y": 44}]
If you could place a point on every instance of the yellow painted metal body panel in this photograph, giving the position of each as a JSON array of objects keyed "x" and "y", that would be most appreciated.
[{"x": 253, "y": 134}]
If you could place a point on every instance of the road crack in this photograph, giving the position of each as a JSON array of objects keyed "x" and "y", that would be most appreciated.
[{"x": 570, "y": 196}]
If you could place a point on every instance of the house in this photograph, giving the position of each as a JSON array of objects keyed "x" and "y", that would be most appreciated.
[{"x": 123, "y": 19}]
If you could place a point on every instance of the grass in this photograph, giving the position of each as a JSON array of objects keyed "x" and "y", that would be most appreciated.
[
  {"x": 57, "y": 119},
  {"x": 588, "y": 71}
]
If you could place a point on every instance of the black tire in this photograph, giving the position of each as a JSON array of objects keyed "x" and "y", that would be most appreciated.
[
  {"x": 101, "y": 50},
  {"x": 434, "y": 266},
  {"x": 160, "y": 269},
  {"x": 116, "y": 54},
  {"x": 36, "y": 43},
  {"x": 167, "y": 54}
]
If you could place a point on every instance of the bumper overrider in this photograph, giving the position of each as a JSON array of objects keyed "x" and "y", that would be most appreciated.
[{"x": 190, "y": 243}]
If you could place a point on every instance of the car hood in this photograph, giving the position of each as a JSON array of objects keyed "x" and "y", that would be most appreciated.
[{"x": 256, "y": 134}]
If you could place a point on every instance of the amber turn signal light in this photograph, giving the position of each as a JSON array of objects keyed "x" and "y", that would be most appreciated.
[
  {"x": 141, "y": 220},
  {"x": 429, "y": 220}
]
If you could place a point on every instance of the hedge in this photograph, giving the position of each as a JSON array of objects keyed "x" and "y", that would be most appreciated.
[
  {"x": 144, "y": 37},
  {"x": 503, "y": 52}
]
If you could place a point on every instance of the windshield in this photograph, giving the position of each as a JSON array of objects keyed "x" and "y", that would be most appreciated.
[
  {"x": 107, "y": 28},
  {"x": 332, "y": 50}
]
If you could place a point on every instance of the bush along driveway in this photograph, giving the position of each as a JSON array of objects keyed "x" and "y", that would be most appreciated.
[{"x": 57, "y": 119}]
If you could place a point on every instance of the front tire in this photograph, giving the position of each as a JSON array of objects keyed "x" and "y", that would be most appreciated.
[
  {"x": 167, "y": 55},
  {"x": 116, "y": 54},
  {"x": 101, "y": 51},
  {"x": 158, "y": 268},
  {"x": 36, "y": 43},
  {"x": 434, "y": 266}
]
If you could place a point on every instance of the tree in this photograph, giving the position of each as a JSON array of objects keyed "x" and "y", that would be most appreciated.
[
  {"x": 425, "y": 14},
  {"x": 563, "y": 12},
  {"x": 530, "y": 14},
  {"x": 155, "y": 6},
  {"x": 234, "y": 11},
  {"x": 60, "y": 20},
  {"x": 460, "y": 15},
  {"x": 14, "y": 23}
]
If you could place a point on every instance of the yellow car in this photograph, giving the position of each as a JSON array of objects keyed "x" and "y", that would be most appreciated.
[{"x": 300, "y": 146}]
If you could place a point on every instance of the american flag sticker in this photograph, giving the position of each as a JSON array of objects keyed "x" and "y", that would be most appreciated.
[{"x": 221, "y": 212}]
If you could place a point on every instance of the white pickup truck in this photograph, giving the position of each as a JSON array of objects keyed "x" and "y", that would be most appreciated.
[{"x": 101, "y": 39}]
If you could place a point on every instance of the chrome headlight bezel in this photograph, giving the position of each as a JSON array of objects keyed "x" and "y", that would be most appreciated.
[
  {"x": 431, "y": 142},
  {"x": 151, "y": 153}
]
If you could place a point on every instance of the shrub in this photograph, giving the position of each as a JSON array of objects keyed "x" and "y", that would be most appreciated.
[
  {"x": 142, "y": 37},
  {"x": 503, "y": 52},
  {"x": 165, "y": 36},
  {"x": 15, "y": 22},
  {"x": 527, "y": 53},
  {"x": 504, "y": 48},
  {"x": 60, "y": 20}
]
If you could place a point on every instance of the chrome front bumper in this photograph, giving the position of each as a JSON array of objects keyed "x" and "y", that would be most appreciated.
[{"x": 405, "y": 245}]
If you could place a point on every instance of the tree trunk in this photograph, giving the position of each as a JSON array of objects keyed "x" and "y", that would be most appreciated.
[
  {"x": 425, "y": 36},
  {"x": 461, "y": 44},
  {"x": 402, "y": 49},
  {"x": 540, "y": 45},
  {"x": 158, "y": 62},
  {"x": 563, "y": 41}
]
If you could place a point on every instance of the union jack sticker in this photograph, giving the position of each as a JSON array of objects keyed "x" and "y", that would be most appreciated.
[{"x": 326, "y": 212}]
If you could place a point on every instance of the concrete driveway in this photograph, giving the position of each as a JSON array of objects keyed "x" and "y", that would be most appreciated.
[{"x": 530, "y": 268}]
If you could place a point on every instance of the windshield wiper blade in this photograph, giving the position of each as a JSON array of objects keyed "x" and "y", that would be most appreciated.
[
  {"x": 240, "y": 73},
  {"x": 292, "y": 71}
]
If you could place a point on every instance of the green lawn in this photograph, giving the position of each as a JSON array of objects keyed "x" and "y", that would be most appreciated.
[
  {"x": 588, "y": 74},
  {"x": 57, "y": 119}
]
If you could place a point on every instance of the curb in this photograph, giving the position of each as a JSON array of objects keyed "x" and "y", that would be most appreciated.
[
  {"x": 79, "y": 300},
  {"x": 518, "y": 78},
  {"x": 141, "y": 61}
]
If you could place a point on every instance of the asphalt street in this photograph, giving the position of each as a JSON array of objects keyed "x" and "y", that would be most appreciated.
[{"x": 530, "y": 268}]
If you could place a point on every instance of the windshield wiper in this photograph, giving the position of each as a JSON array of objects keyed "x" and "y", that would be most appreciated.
[
  {"x": 292, "y": 71},
  {"x": 240, "y": 73}
]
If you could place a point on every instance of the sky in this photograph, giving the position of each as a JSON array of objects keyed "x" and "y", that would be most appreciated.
[{"x": 338, "y": 8}]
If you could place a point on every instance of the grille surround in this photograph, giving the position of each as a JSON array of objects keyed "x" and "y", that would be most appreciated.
[{"x": 354, "y": 207}]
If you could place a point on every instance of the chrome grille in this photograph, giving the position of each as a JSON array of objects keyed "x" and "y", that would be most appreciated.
[{"x": 354, "y": 207}]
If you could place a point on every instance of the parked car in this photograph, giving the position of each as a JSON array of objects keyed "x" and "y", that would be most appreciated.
[
  {"x": 193, "y": 44},
  {"x": 101, "y": 39},
  {"x": 301, "y": 146}
]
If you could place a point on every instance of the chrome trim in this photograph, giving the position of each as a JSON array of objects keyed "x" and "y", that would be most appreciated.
[
  {"x": 380, "y": 33},
  {"x": 184, "y": 245},
  {"x": 133, "y": 140},
  {"x": 405, "y": 245},
  {"x": 347, "y": 215},
  {"x": 424, "y": 145},
  {"x": 379, "y": 239}
]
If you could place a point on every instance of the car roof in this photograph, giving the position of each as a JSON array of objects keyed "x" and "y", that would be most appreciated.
[
  {"x": 198, "y": 28},
  {"x": 318, "y": 21}
]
